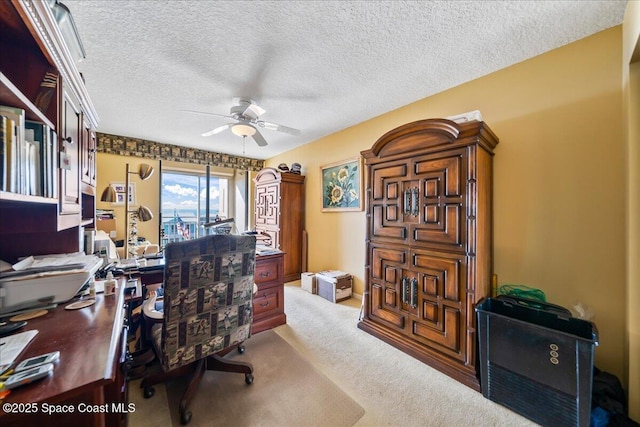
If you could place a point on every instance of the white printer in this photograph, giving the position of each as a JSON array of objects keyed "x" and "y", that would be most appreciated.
[{"x": 45, "y": 278}]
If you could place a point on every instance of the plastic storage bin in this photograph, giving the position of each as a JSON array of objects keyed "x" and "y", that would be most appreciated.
[{"x": 536, "y": 360}]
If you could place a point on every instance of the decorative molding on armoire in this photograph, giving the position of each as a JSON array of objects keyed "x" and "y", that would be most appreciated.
[{"x": 135, "y": 147}]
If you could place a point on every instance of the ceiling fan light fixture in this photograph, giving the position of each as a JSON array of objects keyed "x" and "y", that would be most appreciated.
[{"x": 242, "y": 129}]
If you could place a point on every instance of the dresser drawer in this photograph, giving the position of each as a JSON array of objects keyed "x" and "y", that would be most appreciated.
[
  {"x": 268, "y": 269},
  {"x": 267, "y": 302}
]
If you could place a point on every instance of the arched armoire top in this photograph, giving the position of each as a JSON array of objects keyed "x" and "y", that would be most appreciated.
[
  {"x": 274, "y": 175},
  {"x": 268, "y": 174},
  {"x": 428, "y": 134}
]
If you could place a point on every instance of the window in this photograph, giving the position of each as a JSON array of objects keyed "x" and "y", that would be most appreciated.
[{"x": 184, "y": 198}]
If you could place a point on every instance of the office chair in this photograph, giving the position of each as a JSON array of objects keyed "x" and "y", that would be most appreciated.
[{"x": 206, "y": 311}]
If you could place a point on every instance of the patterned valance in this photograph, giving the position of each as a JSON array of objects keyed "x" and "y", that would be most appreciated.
[{"x": 126, "y": 146}]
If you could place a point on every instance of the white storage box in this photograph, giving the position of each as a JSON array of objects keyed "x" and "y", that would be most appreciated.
[
  {"x": 308, "y": 282},
  {"x": 334, "y": 285}
]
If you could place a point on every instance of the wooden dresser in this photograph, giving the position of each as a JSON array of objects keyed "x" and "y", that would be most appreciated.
[
  {"x": 280, "y": 214},
  {"x": 268, "y": 303},
  {"x": 429, "y": 240}
]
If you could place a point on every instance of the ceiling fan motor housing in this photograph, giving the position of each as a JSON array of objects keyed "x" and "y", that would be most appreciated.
[{"x": 247, "y": 108}]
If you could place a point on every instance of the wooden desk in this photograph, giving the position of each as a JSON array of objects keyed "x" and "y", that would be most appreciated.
[
  {"x": 87, "y": 377},
  {"x": 152, "y": 272}
]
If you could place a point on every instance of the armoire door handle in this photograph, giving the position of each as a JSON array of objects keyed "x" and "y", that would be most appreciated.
[
  {"x": 414, "y": 292},
  {"x": 414, "y": 202},
  {"x": 405, "y": 290},
  {"x": 407, "y": 202}
]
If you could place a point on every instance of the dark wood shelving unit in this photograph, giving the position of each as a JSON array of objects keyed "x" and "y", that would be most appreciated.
[{"x": 33, "y": 52}]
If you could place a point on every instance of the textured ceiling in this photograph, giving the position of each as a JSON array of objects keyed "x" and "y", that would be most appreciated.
[{"x": 318, "y": 66}]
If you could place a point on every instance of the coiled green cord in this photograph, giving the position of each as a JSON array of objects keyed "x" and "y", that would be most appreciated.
[{"x": 522, "y": 291}]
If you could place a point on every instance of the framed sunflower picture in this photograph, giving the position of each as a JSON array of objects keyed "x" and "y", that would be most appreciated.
[{"x": 342, "y": 186}]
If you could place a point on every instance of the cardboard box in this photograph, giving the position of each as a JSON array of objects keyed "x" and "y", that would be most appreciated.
[
  {"x": 334, "y": 285},
  {"x": 308, "y": 282},
  {"x": 106, "y": 225}
]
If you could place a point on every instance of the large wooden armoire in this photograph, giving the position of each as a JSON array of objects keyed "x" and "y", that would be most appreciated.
[
  {"x": 429, "y": 240},
  {"x": 279, "y": 213}
]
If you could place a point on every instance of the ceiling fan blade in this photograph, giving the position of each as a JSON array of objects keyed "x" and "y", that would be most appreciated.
[
  {"x": 218, "y": 129},
  {"x": 208, "y": 114},
  {"x": 259, "y": 139},
  {"x": 279, "y": 128}
]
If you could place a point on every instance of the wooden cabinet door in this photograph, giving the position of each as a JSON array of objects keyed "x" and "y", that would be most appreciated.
[
  {"x": 69, "y": 145},
  {"x": 436, "y": 300},
  {"x": 442, "y": 179},
  {"x": 421, "y": 294},
  {"x": 385, "y": 282},
  {"x": 268, "y": 204},
  {"x": 390, "y": 217},
  {"x": 88, "y": 155}
]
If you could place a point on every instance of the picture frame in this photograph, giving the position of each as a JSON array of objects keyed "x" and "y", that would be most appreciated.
[
  {"x": 342, "y": 185},
  {"x": 120, "y": 193}
]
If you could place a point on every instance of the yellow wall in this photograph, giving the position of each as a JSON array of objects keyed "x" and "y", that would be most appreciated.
[
  {"x": 560, "y": 183},
  {"x": 111, "y": 168},
  {"x": 631, "y": 88}
]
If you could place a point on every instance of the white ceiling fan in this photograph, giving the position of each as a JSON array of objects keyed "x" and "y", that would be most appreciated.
[{"x": 247, "y": 121}]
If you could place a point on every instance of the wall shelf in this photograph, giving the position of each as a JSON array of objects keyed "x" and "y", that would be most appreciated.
[
  {"x": 6, "y": 196},
  {"x": 12, "y": 96}
]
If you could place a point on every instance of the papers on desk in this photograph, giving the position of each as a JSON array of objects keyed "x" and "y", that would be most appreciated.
[
  {"x": 266, "y": 250},
  {"x": 127, "y": 264},
  {"x": 12, "y": 346}
]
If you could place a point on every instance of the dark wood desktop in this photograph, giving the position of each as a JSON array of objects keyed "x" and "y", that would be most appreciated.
[{"x": 88, "y": 377}]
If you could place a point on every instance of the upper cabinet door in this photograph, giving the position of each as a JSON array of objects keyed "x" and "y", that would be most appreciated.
[
  {"x": 268, "y": 204},
  {"x": 88, "y": 155},
  {"x": 390, "y": 202},
  {"x": 441, "y": 201},
  {"x": 70, "y": 140}
]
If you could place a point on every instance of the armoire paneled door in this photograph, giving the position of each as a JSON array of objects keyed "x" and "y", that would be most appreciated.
[
  {"x": 279, "y": 212},
  {"x": 429, "y": 240}
]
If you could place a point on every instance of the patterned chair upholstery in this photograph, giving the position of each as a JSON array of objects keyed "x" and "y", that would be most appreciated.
[{"x": 207, "y": 310}]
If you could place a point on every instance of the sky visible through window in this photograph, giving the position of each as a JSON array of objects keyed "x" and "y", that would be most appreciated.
[{"x": 184, "y": 199}]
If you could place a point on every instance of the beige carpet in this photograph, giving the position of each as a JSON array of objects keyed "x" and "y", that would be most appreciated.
[
  {"x": 287, "y": 391},
  {"x": 394, "y": 389}
]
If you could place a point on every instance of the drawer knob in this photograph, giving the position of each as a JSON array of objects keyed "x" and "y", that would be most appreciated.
[
  {"x": 265, "y": 274},
  {"x": 265, "y": 304}
]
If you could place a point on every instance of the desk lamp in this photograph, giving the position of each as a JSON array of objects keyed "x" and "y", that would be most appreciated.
[{"x": 144, "y": 213}]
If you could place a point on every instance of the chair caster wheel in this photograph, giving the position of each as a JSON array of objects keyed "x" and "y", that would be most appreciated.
[
  {"x": 185, "y": 417},
  {"x": 241, "y": 349},
  {"x": 148, "y": 392},
  {"x": 248, "y": 378}
]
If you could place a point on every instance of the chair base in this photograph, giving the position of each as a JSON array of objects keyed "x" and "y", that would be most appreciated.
[{"x": 196, "y": 370}]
